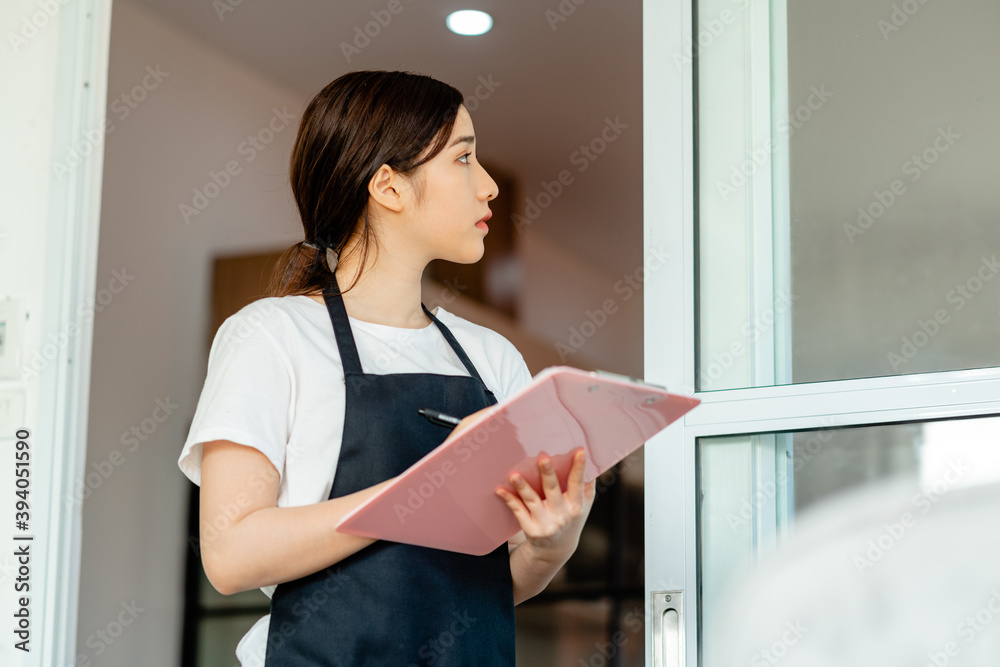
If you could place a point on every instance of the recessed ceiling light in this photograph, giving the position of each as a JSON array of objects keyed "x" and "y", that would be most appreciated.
[{"x": 469, "y": 22}]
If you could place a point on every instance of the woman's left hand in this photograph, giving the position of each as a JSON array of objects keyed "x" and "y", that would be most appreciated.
[{"x": 552, "y": 524}]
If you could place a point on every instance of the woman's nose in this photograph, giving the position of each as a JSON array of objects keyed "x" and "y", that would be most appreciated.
[{"x": 493, "y": 190}]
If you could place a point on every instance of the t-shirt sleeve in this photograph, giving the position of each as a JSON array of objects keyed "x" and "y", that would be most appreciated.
[
  {"x": 514, "y": 373},
  {"x": 248, "y": 392}
]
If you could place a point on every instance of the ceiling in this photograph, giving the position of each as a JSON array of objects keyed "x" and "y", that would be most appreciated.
[{"x": 557, "y": 77}]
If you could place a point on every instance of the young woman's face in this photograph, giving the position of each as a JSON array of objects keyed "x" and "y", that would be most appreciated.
[{"x": 456, "y": 192}]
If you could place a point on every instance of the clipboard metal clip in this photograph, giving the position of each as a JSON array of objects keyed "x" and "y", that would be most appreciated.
[{"x": 627, "y": 378}]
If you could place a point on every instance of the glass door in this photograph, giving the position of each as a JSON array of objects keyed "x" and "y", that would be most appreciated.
[{"x": 822, "y": 175}]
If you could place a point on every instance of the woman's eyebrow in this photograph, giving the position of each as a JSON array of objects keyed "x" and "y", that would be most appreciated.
[{"x": 468, "y": 140}]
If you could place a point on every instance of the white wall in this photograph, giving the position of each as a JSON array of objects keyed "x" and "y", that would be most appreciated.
[{"x": 595, "y": 317}]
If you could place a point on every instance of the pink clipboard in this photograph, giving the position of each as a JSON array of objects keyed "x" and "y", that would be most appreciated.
[{"x": 446, "y": 500}]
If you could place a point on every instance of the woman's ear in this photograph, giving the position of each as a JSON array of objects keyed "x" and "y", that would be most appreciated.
[{"x": 388, "y": 188}]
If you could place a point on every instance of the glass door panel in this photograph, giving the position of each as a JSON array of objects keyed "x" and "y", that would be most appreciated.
[
  {"x": 847, "y": 221},
  {"x": 751, "y": 487}
]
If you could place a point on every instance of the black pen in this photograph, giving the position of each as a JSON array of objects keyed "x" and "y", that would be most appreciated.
[{"x": 439, "y": 417}]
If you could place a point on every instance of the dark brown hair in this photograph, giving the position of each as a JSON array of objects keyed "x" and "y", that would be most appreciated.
[{"x": 353, "y": 126}]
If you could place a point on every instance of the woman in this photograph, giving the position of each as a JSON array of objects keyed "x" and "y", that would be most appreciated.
[{"x": 297, "y": 423}]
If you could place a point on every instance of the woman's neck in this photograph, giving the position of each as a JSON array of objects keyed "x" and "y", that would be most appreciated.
[{"x": 388, "y": 292}]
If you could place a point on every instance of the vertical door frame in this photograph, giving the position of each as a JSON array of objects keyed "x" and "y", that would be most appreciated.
[
  {"x": 78, "y": 109},
  {"x": 668, "y": 320}
]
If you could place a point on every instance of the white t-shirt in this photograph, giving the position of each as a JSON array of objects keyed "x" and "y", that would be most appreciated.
[{"x": 275, "y": 382}]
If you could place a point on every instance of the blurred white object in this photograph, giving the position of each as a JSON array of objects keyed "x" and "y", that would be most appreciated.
[
  {"x": 893, "y": 574},
  {"x": 974, "y": 442}
]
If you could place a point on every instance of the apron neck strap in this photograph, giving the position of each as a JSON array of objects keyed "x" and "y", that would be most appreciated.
[
  {"x": 450, "y": 337},
  {"x": 349, "y": 349}
]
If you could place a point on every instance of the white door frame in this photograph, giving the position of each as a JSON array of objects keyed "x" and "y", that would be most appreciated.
[
  {"x": 56, "y": 71},
  {"x": 668, "y": 319}
]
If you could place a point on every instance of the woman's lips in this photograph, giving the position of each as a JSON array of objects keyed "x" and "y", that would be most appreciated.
[{"x": 482, "y": 223}]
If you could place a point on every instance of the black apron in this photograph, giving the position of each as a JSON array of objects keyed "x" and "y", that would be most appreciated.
[{"x": 393, "y": 604}]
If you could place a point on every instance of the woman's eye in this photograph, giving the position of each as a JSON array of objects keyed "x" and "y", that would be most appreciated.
[{"x": 465, "y": 156}]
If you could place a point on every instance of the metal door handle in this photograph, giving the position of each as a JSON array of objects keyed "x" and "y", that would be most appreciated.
[{"x": 668, "y": 628}]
